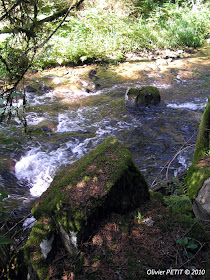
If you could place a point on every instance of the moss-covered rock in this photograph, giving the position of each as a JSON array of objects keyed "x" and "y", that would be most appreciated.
[
  {"x": 199, "y": 172},
  {"x": 142, "y": 96},
  {"x": 44, "y": 126},
  {"x": 81, "y": 195}
]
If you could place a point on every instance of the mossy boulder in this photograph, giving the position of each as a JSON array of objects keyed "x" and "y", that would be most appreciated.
[
  {"x": 198, "y": 175},
  {"x": 81, "y": 195},
  {"x": 44, "y": 126},
  {"x": 142, "y": 96}
]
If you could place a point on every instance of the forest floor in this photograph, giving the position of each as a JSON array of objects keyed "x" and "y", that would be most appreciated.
[{"x": 144, "y": 244}]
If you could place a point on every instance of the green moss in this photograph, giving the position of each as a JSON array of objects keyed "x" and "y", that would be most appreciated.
[
  {"x": 179, "y": 204},
  {"x": 207, "y": 270},
  {"x": 41, "y": 230},
  {"x": 119, "y": 157},
  {"x": 159, "y": 196},
  {"x": 202, "y": 143},
  {"x": 79, "y": 265},
  {"x": 134, "y": 92},
  {"x": 195, "y": 178},
  {"x": 198, "y": 173},
  {"x": 124, "y": 224},
  {"x": 81, "y": 195},
  {"x": 148, "y": 95},
  {"x": 144, "y": 95}
]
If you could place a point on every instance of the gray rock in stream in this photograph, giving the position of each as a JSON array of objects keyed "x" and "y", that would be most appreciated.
[{"x": 142, "y": 96}]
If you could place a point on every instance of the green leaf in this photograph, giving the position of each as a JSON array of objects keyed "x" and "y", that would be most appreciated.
[
  {"x": 192, "y": 245},
  {"x": 4, "y": 240},
  {"x": 183, "y": 241}
]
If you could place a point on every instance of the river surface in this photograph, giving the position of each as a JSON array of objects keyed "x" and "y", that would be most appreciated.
[{"x": 67, "y": 120}]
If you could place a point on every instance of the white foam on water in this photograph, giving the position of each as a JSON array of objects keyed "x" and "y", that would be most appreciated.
[
  {"x": 182, "y": 160},
  {"x": 29, "y": 222},
  {"x": 34, "y": 119},
  {"x": 35, "y": 168},
  {"x": 35, "y": 99},
  {"x": 187, "y": 105},
  {"x": 38, "y": 167},
  {"x": 71, "y": 121},
  {"x": 106, "y": 130},
  {"x": 78, "y": 120},
  {"x": 81, "y": 149}
]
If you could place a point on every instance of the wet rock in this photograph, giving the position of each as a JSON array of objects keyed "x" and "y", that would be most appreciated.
[
  {"x": 45, "y": 126},
  {"x": 30, "y": 89},
  {"x": 44, "y": 88},
  {"x": 142, "y": 96},
  {"x": 198, "y": 175},
  {"x": 81, "y": 195},
  {"x": 97, "y": 86},
  {"x": 92, "y": 74},
  {"x": 91, "y": 87}
]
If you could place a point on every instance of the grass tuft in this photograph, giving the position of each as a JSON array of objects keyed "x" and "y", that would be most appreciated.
[{"x": 104, "y": 31}]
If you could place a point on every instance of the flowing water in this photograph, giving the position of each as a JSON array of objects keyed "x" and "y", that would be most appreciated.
[{"x": 160, "y": 138}]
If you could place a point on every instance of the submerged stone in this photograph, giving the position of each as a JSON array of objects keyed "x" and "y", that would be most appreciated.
[
  {"x": 30, "y": 89},
  {"x": 142, "y": 96},
  {"x": 81, "y": 195},
  {"x": 198, "y": 175}
]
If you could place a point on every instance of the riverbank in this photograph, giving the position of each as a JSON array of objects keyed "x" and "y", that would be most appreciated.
[
  {"x": 62, "y": 128},
  {"x": 68, "y": 115}
]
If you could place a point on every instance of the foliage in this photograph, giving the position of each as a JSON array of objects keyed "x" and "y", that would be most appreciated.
[
  {"x": 179, "y": 204},
  {"x": 189, "y": 246},
  {"x": 45, "y": 33},
  {"x": 198, "y": 173},
  {"x": 139, "y": 217},
  {"x": 25, "y": 27},
  {"x": 178, "y": 201},
  {"x": 99, "y": 33},
  {"x": 207, "y": 153}
]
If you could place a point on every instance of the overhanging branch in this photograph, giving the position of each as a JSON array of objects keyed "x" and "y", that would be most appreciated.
[{"x": 27, "y": 28}]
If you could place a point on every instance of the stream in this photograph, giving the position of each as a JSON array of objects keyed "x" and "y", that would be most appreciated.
[{"x": 160, "y": 138}]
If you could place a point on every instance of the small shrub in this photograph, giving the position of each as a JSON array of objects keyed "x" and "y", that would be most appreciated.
[
  {"x": 100, "y": 34},
  {"x": 139, "y": 217},
  {"x": 189, "y": 246},
  {"x": 179, "y": 204}
]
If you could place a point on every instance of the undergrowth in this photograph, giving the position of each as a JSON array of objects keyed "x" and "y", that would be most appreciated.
[
  {"x": 105, "y": 32},
  {"x": 177, "y": 200}
]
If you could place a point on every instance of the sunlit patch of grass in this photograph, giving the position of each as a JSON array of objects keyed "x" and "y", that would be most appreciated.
[{"x": 103, "y": 34}]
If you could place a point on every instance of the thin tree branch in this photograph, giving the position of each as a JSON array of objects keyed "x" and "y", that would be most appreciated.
[
  {"x": 27, "y": 28},
  {"x": 7, "y": 13}
]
